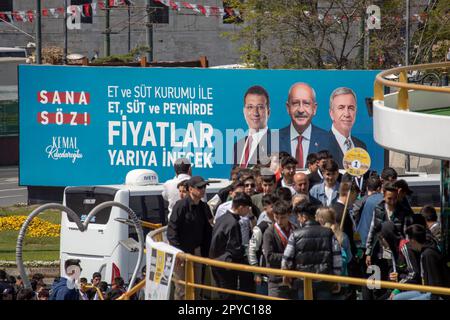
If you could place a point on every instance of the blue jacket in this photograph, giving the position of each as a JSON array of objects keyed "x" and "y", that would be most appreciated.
[
  {"x": 367, "y": 215},
  {"x": 318, "y": 192},
  {"x": 60, "y": 291}
]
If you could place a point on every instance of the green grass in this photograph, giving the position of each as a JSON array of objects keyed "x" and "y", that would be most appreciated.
[
  {"x": 45, "y": 248},
  {"x": 438, "y": 111},
  {"x": 52, "y": 216}
]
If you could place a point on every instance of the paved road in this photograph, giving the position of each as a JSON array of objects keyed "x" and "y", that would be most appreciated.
[{"x": 10, "y": 192}]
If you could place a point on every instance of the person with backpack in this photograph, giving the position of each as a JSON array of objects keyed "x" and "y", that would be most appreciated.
[
  {"x": 312, "y": 248},
  {"x": 275, "y": 241},
  {"x": 434, "y": 270},
  {"x": 255, "y": 256},
  {"x": 327, "y": 218}
]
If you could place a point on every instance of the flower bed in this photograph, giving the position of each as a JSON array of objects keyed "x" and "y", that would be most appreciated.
[{"x": 37, "y": 228}]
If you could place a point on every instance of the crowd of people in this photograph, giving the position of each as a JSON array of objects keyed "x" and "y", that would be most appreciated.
[
  {"x": 319, "y": 221},
  {"x": 64, "y": 288}
]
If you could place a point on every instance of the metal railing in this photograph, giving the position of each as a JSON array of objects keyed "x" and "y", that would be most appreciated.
[
  {"x": 403, "y": 85},
  {"x": 99, "y": 292},
  {"x": 308, "y": 278},
  {"x": 150, "y": 225}
]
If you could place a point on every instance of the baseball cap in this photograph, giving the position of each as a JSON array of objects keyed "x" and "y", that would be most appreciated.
[
  {"x": 267, "y": 172},
  {"x": 402, "y": 184},
  {"x": 197, "y": 182}
]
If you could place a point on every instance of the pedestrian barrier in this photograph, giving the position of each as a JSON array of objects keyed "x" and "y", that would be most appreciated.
[
  {"x": 99, "y": 293},
  {"x": 308, "y": 278}
]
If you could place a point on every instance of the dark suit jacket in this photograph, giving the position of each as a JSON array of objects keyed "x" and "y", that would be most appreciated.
[
  {"x": 262, "y": 152},
  {"x": 348, "y": 224},
  {"x": 320, "y": 140},
  {"x": 336, "y": 151}
]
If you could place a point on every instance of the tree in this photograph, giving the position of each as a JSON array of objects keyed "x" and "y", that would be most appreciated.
[
  {"x": 429, "y": 31},
  {"x": 300, "y": 34},
  {"x": 332, "y": 34},
  {"x": 432, "y": 39}
]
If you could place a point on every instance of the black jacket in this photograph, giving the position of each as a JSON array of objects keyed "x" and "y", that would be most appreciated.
[
  {"x": 273, "y": 252},
  {"x": 434, "y": 269},
  {"x": 226, "y": 242},
  {"x": 348, "y": 224},
  {"x": 314, "y": 248},
  {"x": 189, "y": 227},
  {"x": 314, "y": 178},
  {"x": 408, "y": 265},
  {"x": 380, "y": 215}
]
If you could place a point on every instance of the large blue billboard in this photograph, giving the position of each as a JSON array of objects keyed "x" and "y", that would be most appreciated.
[{"x": 92, "y": 125}]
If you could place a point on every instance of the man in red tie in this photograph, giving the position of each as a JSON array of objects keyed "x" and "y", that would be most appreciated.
[
  {"x": 301, "y": 137},
  {"x": 255, "y": 147}
]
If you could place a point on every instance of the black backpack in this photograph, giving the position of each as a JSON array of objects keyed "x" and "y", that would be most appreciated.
[{"x": 259, "y": 254}]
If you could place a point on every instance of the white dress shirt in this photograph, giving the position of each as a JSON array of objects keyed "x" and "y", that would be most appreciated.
[
  {"x": 341, "y": 140},
  {"x": 222, "y": 209},
  {"x": 256, "y": 138},
  {"x": 305, "y": 142},
  {"x": 170, "y": 191}
]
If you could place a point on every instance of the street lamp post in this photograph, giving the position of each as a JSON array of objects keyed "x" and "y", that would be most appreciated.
[
  {"x": 65, "y": 32},
  {"x": 149, "y": 31},
  {"x": 38, "y": 33}
]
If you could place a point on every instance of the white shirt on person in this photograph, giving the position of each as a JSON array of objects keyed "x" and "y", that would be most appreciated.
[
  {"x": 170, "y": 191},
  {"x": 341, "y": 140},
  {"x": 222, "y": 209},
  {"x": 289, "y": 186},
  {"x": 256, "y": 138},
  {"x": 305, "y": 142},
  {"x": 329, "y": 194}
]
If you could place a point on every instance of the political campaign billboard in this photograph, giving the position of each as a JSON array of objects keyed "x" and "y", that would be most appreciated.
[{"x": 92, "y": 125}]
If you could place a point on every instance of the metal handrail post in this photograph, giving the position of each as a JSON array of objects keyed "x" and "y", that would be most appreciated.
[
  {"x": 189, "y": 276},
  {"x": 402, "y": 102},
  {"x": 307, "y": 289}
]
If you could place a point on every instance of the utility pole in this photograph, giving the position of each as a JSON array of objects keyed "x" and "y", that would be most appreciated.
[
  {"x": 38, "y": 33},
  {"x": 149, "y": 31},
  {"x": 129, "y": 27},
  {"x": 362, "y": 33},
  {"x": 65, "y": 32},
  {"x": 367, "y": 47},
  {"x": 107, "y": 30}
]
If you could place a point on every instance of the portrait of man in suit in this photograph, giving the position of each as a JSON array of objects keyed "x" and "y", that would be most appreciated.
[
  {"x": 255, "y": 147},
  {"x": 301, "y": 137},
  {"x": 343, "y": 108}
]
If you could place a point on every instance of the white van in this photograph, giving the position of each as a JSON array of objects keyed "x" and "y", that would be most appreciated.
[
  {"x": 426, "y": 188},
  {"x": 108, "y": 246}
]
